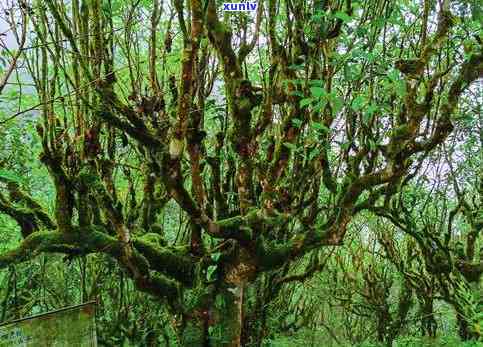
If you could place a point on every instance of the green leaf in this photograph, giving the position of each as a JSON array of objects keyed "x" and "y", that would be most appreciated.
[
  {"x": 359, "y": 102},
  {"x": 336, "y": 102},
  {"x": 371, "y": 109},
  {"x": 361, "y": 31},
  {"x": 297, "y": 93},
  {"x": 215, "y": 256},
  {"x": 10, "y": 176},
  {"x": 320, "y": 105},
  {"x": 393, "y": 75},
  {"x": 345, "y": 145},
  {"x": 305, "y": 102},
  {"x": 318, "y": 92},
  {"x": 289, "y": 145},
  {"x": 296, "y": 67},
  {"x": 350, "y": 72},
  {"x": 398, "y": 84},
  {"x": 395, "y": 19},
  {"x": 317, "y": 83},
  {"x": 379, "y": 22},
  {"x": 320, "y": 127},
  {"x": 297, "y": 122},
  {"x": 343, "y": 16},
  {"x": 372, "y": 145},
  {"x": 210, "y": 272},
  {"x": 313, "y": 153},
  {"x": 400, "y": 88}
]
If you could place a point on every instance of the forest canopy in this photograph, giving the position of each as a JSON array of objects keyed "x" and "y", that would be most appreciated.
[{"x": 307, "y": 172}]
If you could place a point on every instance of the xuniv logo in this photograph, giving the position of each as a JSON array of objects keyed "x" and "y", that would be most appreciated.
[{"x": 239, "y": 6}]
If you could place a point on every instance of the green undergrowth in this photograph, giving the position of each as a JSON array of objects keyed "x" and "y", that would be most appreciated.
[{"x": 322, "y": 340}]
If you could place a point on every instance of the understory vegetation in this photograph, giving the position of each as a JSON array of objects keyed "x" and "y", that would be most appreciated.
[{"x": 306, "y": 174}]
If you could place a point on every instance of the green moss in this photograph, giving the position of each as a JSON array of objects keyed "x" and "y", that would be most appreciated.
[
  {"x": 172, "y": 264},
  {"x": 96, "y": 238},
  {"x": 271, "y": 256},
  {"x": 193, "y": 333},
  {"x": 154, "y": 238},
  {"x": 166, "y": 287},
  {"x": 244, "y": 105},
  {"x": 32, "y": 245}
]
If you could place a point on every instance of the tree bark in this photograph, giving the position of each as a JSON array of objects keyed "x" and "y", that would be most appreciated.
[{"x": 219, "y": 324}]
